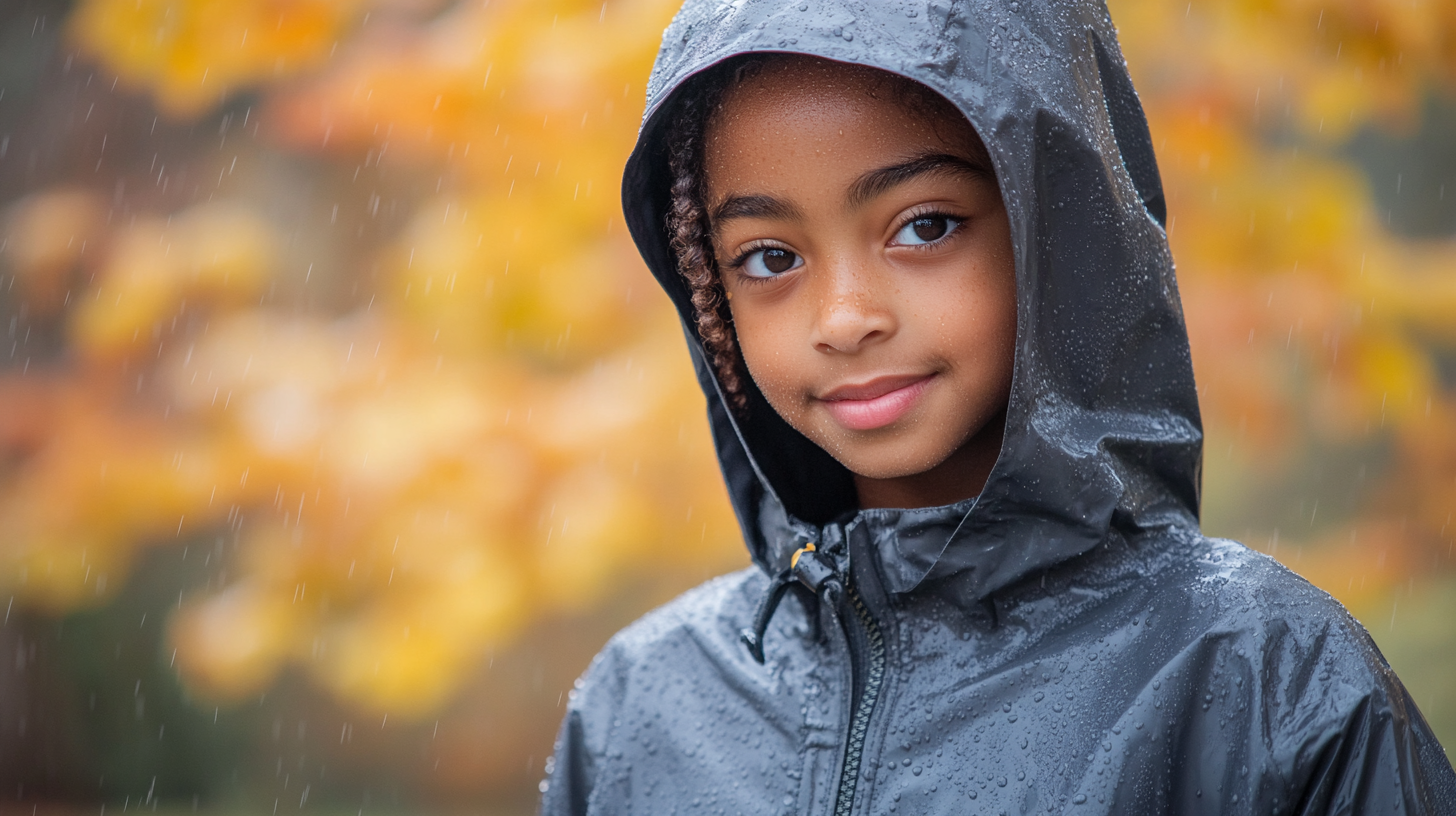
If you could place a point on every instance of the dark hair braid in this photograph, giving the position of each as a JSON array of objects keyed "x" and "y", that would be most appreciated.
[{"x": 691, "y": 239}]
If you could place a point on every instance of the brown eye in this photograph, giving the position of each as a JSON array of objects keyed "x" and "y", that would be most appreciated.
[
  {"x": 778, "y": 260},
  {"x": 769, "y": 262},
  {"x": 927, "y": 229}
]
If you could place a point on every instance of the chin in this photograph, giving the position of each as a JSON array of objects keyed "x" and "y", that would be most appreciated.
[{"x": 896, "y": 466}]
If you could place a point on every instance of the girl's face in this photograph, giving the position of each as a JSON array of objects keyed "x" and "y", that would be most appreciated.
[{"x": 866, "y": 254}]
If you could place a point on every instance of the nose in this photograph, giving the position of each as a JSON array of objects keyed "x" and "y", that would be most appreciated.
[{"x": 852, "y": 310}]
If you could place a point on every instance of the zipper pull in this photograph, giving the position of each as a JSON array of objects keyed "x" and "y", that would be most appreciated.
[{"x": 810, "y": 573}]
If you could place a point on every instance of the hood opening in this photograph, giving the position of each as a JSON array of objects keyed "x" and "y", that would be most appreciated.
[{"x": 1102, "y": 426}]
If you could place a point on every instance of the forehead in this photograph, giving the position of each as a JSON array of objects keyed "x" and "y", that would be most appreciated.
[{"x": 792, "y": 109}]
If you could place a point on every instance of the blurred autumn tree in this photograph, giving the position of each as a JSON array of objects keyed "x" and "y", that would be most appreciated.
[
  {"x": 1323, "y": 338},
  {"x": 1291, "y": 134},
  {"x": 332, "y": 301}
]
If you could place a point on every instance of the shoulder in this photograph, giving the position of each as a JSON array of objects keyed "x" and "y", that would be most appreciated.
[
  {"x": 1316, "y": 694},
  {"x": 1292, "y": 634},
  {"x": 1237, "y": 586},
  {"x": 716, "y": 608},
  {"x": 660, "y": 663},
  {"x": 706, "y": 618}
]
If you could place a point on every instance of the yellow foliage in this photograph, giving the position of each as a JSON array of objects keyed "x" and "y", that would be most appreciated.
[
  {"x": 46, "y": 235},
  {"x": 595, "y": 522},
  {"x": 1337, "y": 65},
  {"x": 234, "y": 642},
  {"x": 193, "y": 53},
  {"x": 217, "y": 253}
]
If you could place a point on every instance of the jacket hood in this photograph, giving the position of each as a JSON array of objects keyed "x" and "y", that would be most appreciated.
[{"x": 1102, "y": 431}]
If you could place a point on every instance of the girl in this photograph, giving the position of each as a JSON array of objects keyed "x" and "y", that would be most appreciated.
[{"x": 950, "y": 389}]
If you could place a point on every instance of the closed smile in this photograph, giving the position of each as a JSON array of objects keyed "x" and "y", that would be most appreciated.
[{"x": 875, "y": 403}]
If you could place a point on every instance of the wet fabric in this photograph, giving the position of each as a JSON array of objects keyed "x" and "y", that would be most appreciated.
[{"x": 1067, "y": 642}]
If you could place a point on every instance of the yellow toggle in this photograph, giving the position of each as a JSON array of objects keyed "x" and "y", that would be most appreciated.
[{"x": 794, "y": 561}]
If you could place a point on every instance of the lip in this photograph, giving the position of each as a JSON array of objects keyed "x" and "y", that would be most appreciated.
[{"x": 876, "y": 403}]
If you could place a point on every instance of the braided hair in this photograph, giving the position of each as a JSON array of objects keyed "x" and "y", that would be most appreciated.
[{"x": 691, "y": 231}]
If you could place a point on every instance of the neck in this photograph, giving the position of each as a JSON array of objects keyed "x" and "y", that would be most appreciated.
[{"x": 962, "y": 475}]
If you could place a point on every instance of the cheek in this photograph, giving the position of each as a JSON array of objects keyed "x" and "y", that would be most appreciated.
[
  {"x": 975, "y": 319},
  {"x": 988, "y": 297},
  {"x": 765, "y": 345},
  {"x": 991, "y": 331},
  {"x": 995, "y": 313}
]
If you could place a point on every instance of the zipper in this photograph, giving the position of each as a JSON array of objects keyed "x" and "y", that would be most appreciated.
[{"x": 867, "y": 668}]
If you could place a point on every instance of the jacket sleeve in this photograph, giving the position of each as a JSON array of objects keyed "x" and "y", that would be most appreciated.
[
  {"x": 574, "y": 771},
  {"x": 1382, "y": 757}
]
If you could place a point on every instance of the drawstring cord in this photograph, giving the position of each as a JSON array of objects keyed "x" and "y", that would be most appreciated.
[{"x": 813, "y": 577}]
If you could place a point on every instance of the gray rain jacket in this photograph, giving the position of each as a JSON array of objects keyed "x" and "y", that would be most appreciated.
[{"x": 1068, "y": 642}]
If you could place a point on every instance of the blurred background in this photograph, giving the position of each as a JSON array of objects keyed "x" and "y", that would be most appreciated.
[{"x": 340, "y": 423}]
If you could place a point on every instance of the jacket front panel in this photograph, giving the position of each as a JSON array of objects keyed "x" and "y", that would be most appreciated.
[{"x": 1133, "y": 683}]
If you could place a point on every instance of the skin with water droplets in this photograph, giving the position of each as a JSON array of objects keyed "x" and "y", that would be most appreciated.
[{"x": 895, "y": 357}]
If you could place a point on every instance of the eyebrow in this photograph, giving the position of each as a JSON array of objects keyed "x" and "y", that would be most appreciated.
[
  {"x": 864, "y": 189},
  {"x": 754, "y": 206},
  {"x": 876, "y": 182}
]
